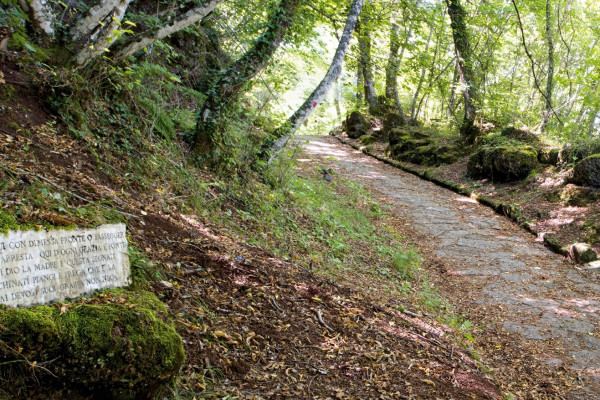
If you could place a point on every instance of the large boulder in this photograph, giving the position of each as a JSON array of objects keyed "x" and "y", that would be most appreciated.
[
  {"x": 503, "y": 163},
  {"x": 119, "y": 345},
  {"x": 587, "y": 172},
  {"x": 521, "y": 135},
  {"x": 356, "y": 125},
  {"x": 391, "y": 120},
  {"x": 397, "y": 136}
]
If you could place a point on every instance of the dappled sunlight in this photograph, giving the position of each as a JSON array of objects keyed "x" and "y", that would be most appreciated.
[{"x": 463, "y": 199}]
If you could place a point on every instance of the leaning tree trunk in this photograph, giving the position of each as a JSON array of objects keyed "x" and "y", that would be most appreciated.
[
  {"x": 231, "y": 81},
  {"x": 283, "y": 134},
  {"x": 462, "y": 49},
  {"x": 182, "y": 21},
  {"x": 549, "y": 83},
  {"x": 364, "y": 48}
]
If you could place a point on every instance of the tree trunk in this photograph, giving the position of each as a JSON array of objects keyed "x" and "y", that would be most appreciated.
[
  {"x": 97, "y": 36},
  {"x": 231, "y": 81},
  {"x": 182, "y": 21},
  {"x": 364, "y": 47},
  {"x": 283, "y": 134},
  {"x": 40, "y": 14},
  {"x": 460, "y": 35},
  {"x": 360, "y": 83},
  {"x": 423, "y": 72},
  {"x": 391, "y": 72},
  {"x": 549, "y": 83}
]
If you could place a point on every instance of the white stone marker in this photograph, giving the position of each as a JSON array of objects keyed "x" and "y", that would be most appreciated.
[{"x": 38, "y": 267}]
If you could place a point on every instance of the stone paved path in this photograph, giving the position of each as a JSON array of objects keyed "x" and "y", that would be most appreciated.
[{"x": 544, "y": 298}]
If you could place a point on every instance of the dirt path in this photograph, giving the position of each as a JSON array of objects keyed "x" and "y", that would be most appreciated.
[{"x": 519, "y": 287}]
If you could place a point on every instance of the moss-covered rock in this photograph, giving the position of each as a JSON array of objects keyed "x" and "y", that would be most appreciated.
[
  {"x": 587, "y": 172},
  {"x": 503, "y": 163},
  {"x": 367, "y": 139},
  {"x": 572, "y": 153},
  {"x": 398, "y": 136},
  {"x": 521, "y": 135},
  {"x": 391, "y": 120},
  {"x": 549, "y": 155},
  {"x": 357, "y": 125},
  {"x": 119, "y": 345}
]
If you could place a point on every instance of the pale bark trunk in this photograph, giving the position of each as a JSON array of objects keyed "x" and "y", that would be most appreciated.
[
  {"x": 88, "y": 23},
  {"x": 189, "y": 18},
  {"x": 101, "y": 37},
  {"x": 41, "y": 15},
  {"x": 287, "y": 130}
]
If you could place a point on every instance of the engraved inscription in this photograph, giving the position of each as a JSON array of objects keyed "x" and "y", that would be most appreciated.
[{"x": 40, "y": 267}]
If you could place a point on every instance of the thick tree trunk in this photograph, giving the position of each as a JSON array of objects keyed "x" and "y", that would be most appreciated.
[
  {"x": 96, "y": 36},
  {"x": 182, "y": 21},
  {"x": 364, "y": 47},
  {"x": 391, "y": 72},
  {"x": 549, "y": 83},
  {"x": 283, "y": 134},
  {"x": 462, "y": 47},
  {"x": 40, "y": 14},
  {"x": 231, "y": 81},
  {"x": 360, "y": 83}
]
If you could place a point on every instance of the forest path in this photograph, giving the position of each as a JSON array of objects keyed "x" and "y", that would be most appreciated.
[{"x": 489, "y": 268}]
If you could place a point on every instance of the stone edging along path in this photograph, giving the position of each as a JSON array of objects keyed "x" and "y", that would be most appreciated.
[{"x": 511, "y": 211}]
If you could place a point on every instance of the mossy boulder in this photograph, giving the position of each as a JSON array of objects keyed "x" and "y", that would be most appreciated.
[
  {"x": 397, "y": 136},
  {"x": 391, "y": 120},
  {"x": 503, "y": 163},
  {"x": 549, "y": 155},
  {"x": 587, "y": 172},
  {"x": 572, "y": 153},
  {"x": 367, "y": 139},
  {"x": 119, "y": 345},
  {"x": 357, "y": 125},
  {"x": 521, "y": 135}
]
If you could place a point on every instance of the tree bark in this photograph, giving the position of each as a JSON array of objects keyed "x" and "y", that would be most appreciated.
[
  {"x": 40, "y": 14},
  {"x": 283, "y": 134},
  {"x": 423, "y": 72},
  {"x": 182, "y": 21},
  {"x": 231, "y": 81},
  {"x": 360, "y": 83},
  {"x": 100, "y": 35},
  {"x": 391, "y": 72},
  {"x": 549, "y": 82},
  {"x": 364, "y": 47},
  {"x": 462, "y": 48}
]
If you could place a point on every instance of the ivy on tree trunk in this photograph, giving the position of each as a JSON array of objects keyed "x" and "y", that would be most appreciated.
[{"x": 207, "y": 137}]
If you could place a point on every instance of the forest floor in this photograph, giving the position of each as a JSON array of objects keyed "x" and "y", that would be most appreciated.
[
  {"x": 255, "y": 325},
  {"x": 536, "y": 312}
]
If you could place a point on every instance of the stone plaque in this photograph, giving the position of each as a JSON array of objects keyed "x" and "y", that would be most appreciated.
[{"x": 39, "y": 267}]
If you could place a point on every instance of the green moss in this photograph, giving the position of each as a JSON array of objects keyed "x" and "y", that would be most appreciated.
[
  {"x": 367, "y": 139},
  {"x": 7, "y": 222},
  {"x": 8, "y": 93},
  {"x": 120, "y": 344},
  {"x": 503, "y": 163}
]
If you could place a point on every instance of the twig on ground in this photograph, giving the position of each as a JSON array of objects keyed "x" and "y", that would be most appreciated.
[{"x": 323, "y": 324}]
